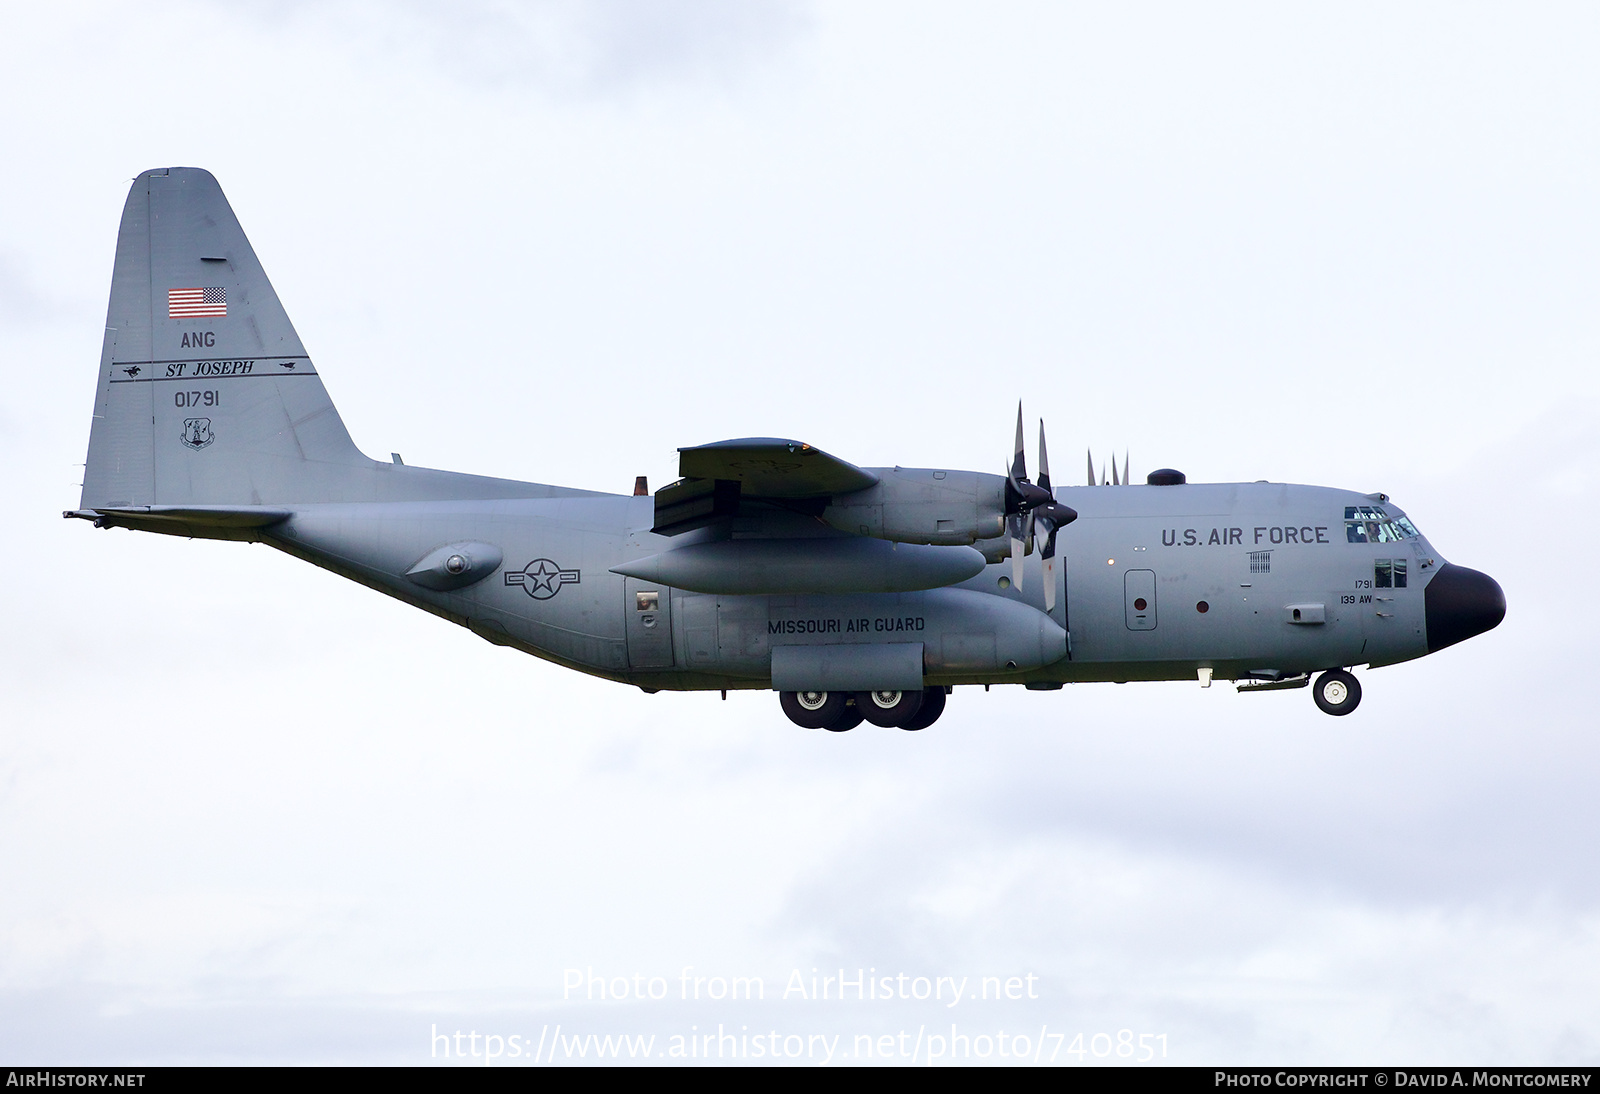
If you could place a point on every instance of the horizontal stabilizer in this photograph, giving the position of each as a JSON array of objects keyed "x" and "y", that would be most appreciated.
[{"x": 183, "y": 520}]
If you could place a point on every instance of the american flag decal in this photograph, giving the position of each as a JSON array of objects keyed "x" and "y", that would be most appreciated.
[{"x": 196, "y": 303}]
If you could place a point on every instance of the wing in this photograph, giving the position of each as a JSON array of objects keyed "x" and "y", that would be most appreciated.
[
  {"x": 768, "y": 467},
  {"x": 798, "y": 512},
  {"x": 717, "y": 477}
]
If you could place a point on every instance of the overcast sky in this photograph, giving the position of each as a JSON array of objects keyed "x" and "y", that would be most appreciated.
[{"x": 251, "y": 812}]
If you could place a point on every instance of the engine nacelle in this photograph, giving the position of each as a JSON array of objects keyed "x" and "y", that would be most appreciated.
[{"x": 923, "y": 505}]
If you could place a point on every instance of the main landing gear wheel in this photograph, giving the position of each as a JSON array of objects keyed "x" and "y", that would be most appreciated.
[
  {"x": 932, "y": 707},
  {"x": 848, "y": 719},
  {"x": 1336, "y": 692},
  {"x": 889, "y": 708},
  {"x": 814, "y": 709}
]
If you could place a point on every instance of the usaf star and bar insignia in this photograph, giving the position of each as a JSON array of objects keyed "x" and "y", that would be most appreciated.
[{"x": 541, "y": 578}]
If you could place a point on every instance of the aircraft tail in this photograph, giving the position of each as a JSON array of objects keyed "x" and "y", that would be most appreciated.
[{"x": 206, "y": 396}]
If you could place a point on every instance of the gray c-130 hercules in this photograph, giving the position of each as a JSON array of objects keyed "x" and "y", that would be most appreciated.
[{"x": 856, "y": 593}]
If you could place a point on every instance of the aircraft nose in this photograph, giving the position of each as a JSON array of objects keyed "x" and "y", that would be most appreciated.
[{"x": 1459, "y": 603}]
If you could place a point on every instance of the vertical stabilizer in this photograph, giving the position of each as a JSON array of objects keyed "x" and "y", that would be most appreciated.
[{"x": 205, "y": 395}]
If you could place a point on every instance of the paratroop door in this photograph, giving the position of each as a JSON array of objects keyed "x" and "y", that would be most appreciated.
[{"x": 649, "y": 624}]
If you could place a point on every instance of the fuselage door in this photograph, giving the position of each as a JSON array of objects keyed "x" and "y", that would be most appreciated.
[
  {"x": 648, "y": 608},
  {"x": 1139, "y": 599}
]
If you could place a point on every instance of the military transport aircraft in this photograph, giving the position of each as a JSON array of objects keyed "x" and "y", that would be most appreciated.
[{"x": 855, "y": 593}]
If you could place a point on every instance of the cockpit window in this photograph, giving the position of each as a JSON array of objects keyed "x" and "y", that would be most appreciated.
[
  {"x": 1389, "y": 573},
  {"x": 1370, "y": 524}
]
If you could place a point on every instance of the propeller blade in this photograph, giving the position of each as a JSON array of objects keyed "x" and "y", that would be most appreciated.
[
  {"x": 1044, "y": 462},
  {"x": 1045, "y": 531},
  {"x": 1090, "y": 455},
  {"x": 1125, "y": 480},
  {"x": 1019, "y": 462},
  {"x": 1044, "y": 525},
  {"x": 1114, "y": 480},
  {"x": 1018, "y": 546}
]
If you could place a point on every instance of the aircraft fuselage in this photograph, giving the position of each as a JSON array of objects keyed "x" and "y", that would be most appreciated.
[{"x": 1155, "y": 583}]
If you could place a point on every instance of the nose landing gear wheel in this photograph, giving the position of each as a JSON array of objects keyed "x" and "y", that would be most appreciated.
[
  {"x": 889, "y": 708},
  {"x": 813, "y": 709},
  {"x": 1336, "y": 692}
]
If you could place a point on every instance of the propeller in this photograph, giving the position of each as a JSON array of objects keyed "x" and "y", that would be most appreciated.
[
  {"x": 1032, "y": 513},
  {"x": 1022, "y": 497},
  {"x": 1049, "y": 519}
]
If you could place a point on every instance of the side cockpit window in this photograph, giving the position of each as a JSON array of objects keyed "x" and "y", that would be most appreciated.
[
  {"x": 1389, "y": 573},
  {"x": 1370, "y": 524}
]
